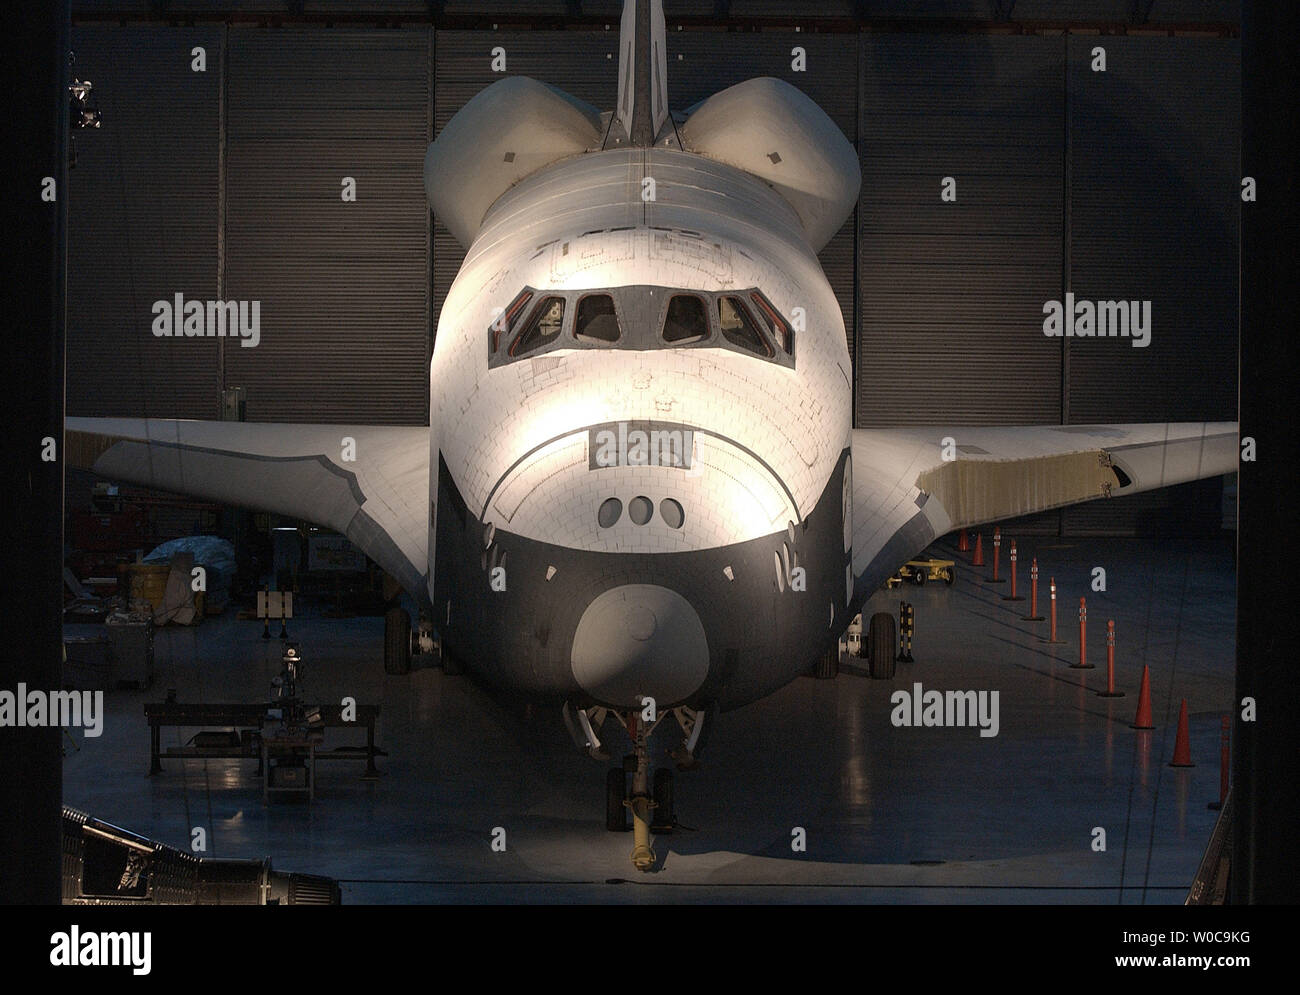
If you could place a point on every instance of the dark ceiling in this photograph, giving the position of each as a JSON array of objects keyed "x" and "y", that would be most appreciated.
[{"x": 1181, "y": 17}]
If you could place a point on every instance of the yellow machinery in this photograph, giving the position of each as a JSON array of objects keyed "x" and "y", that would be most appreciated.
[{"x": 919, "y": 571}]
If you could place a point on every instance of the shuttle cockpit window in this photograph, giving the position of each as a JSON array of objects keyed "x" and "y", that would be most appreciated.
[
  {"x": 739, "y": 328},
  {"x": 686, "y": 321},
  {"x": 597, "y": 321},
  {"x": 505, "y": 321},
  {"x": 778, "y": 329},
  {"x": 543, "y": 327},
  {"x": 641, "y": 319}
]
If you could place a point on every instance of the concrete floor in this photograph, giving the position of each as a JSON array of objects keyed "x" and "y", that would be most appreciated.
[{"x": 891, "y": 815}]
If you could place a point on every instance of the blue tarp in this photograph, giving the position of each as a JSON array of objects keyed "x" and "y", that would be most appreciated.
[{"x": 215, "y": 555}]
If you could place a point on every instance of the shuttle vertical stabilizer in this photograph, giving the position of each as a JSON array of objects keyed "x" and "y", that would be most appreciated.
[{"x": 642, "y": 110}]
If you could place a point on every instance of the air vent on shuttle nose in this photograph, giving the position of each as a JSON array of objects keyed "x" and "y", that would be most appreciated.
[
  {"x": 672, "y": 514},
  {"x": 639, "y": 509},
  {"x": 611, "y": 509}
]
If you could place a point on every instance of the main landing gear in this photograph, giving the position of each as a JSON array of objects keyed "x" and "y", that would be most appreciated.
[
  {"x": 635, "y": 792},
  {"x": 402, "y": 641}
]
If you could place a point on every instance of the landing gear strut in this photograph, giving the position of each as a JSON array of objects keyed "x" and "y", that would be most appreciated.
[
  {"x": 647, "y": 801},
  {"x": 640, "y": 803}
]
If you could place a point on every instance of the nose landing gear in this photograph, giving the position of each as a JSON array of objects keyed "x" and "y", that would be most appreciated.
[{"x": 637, "y": 796}]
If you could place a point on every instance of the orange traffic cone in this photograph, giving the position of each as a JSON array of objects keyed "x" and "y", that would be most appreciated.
[
  {"x": 978, "y": 560},
  {"x": 1143, "y": 720},
  {"x": 1182, "y": 747},
  {"x": 963, "y": 542}
]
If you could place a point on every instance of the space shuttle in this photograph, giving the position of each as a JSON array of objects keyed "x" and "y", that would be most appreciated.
[{"x": 641, "y": 497}]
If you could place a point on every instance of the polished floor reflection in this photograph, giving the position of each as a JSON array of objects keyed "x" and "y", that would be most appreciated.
[{"x": 902, "y": 815}]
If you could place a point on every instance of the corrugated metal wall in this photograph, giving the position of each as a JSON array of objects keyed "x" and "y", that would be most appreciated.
[
  {"x": 952, "y": 292},
  {"x": 1109, "y": 11},
  {"x": 344, "y": 286},
  {"x": 1154, "y": 211},
  {"x": 143, "y": 222}
]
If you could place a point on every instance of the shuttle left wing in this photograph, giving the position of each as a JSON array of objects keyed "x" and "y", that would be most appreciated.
[{"x": 370, "y": 483}]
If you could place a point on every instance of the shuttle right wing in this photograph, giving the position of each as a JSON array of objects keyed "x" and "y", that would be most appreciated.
[{"x": 912, "y": 485}]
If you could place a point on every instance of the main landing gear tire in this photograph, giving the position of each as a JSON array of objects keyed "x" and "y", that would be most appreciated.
[
  {"x": 397, "y": 642},
  {"x": 451, "y": 666},
  {"x": 663, "y": 811},
  {"x": 615, "y": 792},
  {"x": 880, "y": 646},
  {"x": 829, "y": 665}
]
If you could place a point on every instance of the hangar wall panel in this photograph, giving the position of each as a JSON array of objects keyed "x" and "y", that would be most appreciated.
[
  {"x": 143, "y": 222},
  {"x": 344, "y": 288},
  {"x": 1128, "y": 12},
  {"x": 681, "y": 8},
  {"x": 952, "y": 292},
  {"x": 1112, "y": 11},
  {"x": 1196, "y": 11},
  {"x": 787, "y": 11},
  {"x": 1154, "y": 207},
  {"x": 523, "y": 8}
]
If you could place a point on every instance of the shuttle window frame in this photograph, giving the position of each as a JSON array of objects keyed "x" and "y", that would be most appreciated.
[
  {"x": 577, "y": 319},
  {"x": 704, "y": 313},
  {"x": 504, "y": 323},
  {"x": 740, "y": 337},
  {"x": 641, "y": 314},
  {"x": 778, "y": 329},
  {"x": 534, "y": 323}
]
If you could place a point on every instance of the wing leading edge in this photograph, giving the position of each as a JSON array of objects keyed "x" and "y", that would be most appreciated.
[
  {"x": 905, "y": 493},
  {"x": 378, "y": 498}
]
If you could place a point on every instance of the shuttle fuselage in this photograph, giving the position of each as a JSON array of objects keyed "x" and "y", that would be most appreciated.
[{"x": 705, "y": 560}]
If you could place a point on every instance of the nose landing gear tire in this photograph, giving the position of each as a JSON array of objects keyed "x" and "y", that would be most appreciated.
[
  {"x": 615, "y": 792},
  {"x": 663, "y": 810}
]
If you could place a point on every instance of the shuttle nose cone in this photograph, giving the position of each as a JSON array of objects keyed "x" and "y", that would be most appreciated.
[
  {"x": 637, "y": 640},
  {"x": 641, "y": 622}
]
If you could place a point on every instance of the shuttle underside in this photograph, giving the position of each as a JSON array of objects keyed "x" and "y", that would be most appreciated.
[{"x": 719, "y": 626}]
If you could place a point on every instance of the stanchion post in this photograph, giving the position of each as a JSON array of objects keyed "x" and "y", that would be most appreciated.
[
  {"x": 1110, "y": 691},
  {"x": 1083, "y": 663}
]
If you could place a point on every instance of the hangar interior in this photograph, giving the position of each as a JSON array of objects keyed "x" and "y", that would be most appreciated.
[
  {"x": 1122, "y": 184},
  {"x": 223, "y": 182}
]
